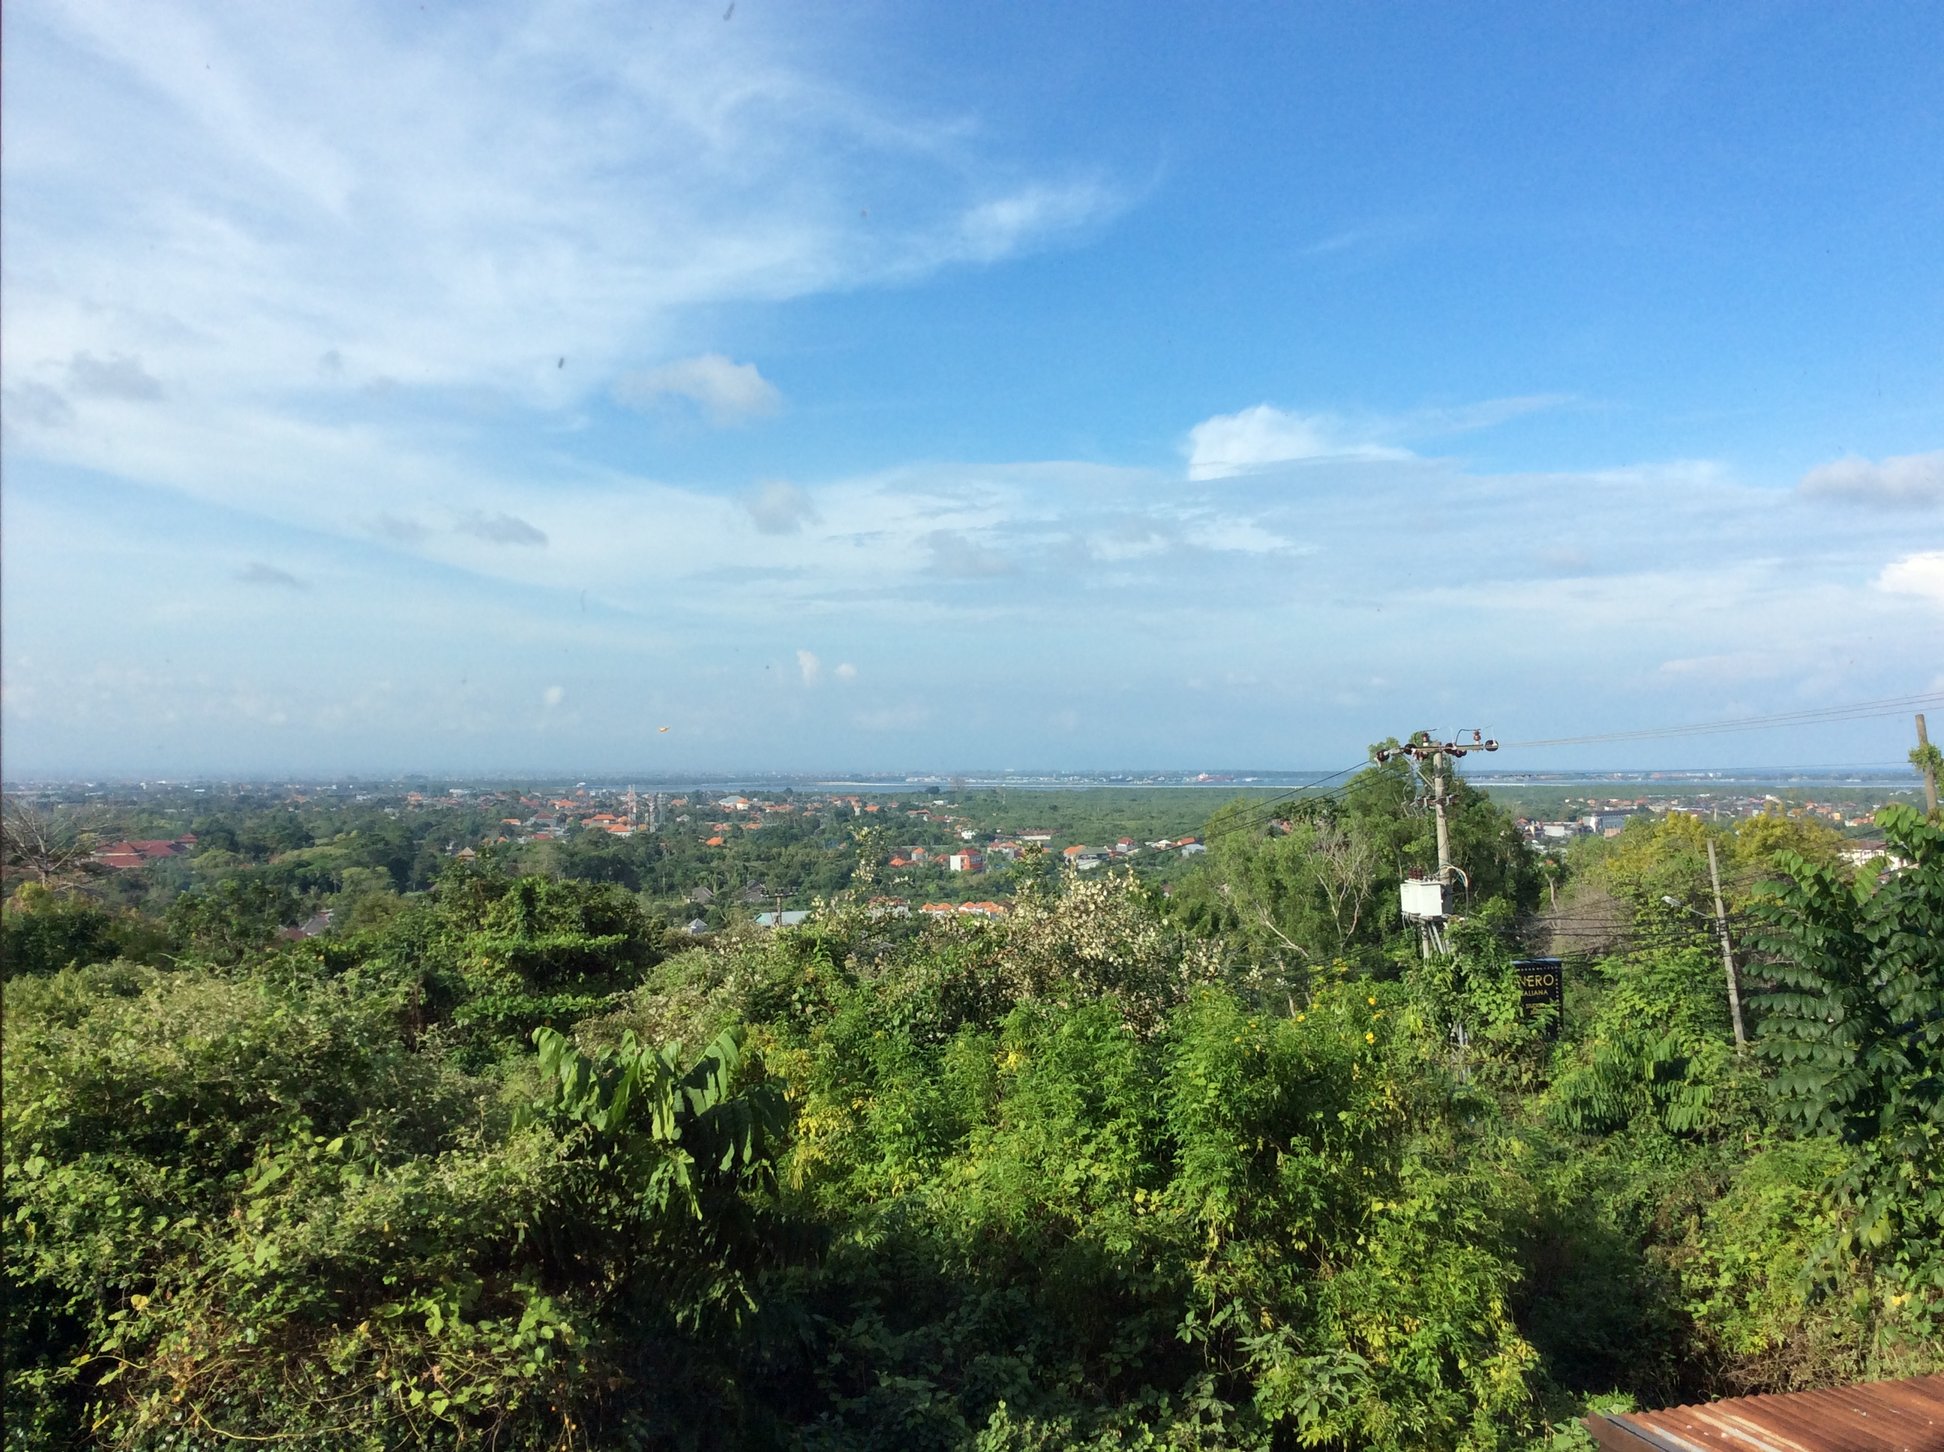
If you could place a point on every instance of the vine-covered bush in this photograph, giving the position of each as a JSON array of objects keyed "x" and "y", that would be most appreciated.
[{"x": 1077, "y": 1176}]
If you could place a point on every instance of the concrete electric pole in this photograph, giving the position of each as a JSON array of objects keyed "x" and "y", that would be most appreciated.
[
  {"x": 1422, "y": 746},
  {"x": 1727, "y": 950},
  {"x": 1924, "y": 758}
]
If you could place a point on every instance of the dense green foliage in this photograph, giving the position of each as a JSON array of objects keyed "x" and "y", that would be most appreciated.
[{"x": 502, "y": 1161}]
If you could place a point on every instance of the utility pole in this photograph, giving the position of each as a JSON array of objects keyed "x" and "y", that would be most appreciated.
[
  {"x": 1438, "y": 805},
  {"x": 1727, "y": 950},
  {"x": 1924, "y": 758},
  {"x": 1422, "y": 746}
]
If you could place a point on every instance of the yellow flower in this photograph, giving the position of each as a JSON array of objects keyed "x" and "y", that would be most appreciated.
[
  {"x": 1370, "y": 1038},
  {"x": 1372, "y": 1000},
  {"x": 1301, "y": 1016}
]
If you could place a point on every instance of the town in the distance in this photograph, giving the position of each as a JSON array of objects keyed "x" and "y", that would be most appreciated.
[{"x": 760, "y": 851}]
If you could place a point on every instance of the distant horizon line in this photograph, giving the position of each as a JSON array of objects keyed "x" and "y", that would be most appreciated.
[{"x": 1129, "y": 776}]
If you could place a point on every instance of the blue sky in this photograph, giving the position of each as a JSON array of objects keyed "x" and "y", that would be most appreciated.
[{"x": 485, "y": 387}]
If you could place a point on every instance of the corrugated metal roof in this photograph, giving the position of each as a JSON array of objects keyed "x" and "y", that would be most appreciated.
[{"x": 1879, "y": 1416}]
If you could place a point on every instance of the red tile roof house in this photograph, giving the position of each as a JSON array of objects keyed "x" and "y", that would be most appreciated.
[{"x": 121, "y": 856}]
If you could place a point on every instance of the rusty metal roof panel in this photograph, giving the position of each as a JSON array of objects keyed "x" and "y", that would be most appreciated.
[{"x": 1880, "y": 1416}]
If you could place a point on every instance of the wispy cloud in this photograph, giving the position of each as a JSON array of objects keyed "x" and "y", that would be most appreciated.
[
  {"x": 38, "y": 406},
  {"x": 580, "y": 193},
  {"x": 258, "y": 573},
  {"x": 398, "y": 530},
  {"x": 505, "y": 529},
  {"x": 1265, "y": 436},
  {"x": 1904, "y": 481},
  {"x": 1489, "y": 413},
  {"x": 1368, "y": 238},
  {"x": 1241, "y": 443},
  {"x": 997, "y": 227}
]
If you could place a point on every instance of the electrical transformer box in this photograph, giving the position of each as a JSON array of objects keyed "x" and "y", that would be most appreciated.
[{"x": 1424, "y": 899}]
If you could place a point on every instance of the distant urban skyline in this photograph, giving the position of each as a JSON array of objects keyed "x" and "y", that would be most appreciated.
[
  {"x": 493, "y": 388},
  {"x": 1890, "y": 774}
]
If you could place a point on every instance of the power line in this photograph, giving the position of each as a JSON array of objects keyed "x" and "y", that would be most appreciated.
[
  {"x": 1261, "y": 813},
  {"x": 1854, "y": 711}
]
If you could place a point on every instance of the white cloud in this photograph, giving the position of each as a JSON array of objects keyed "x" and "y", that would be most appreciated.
[
  {"x": 553, "y": 696},
  {"x": 810, "y": 667},
  {"x": 1256, "y": 438},
  {"x": 996, "y": 228},
  {"x": 1920, "y": 574},
  {"x": 727, "y": 392},
  {"x": 846, "y": 672},
  {"x": 1901, "y": 481},
  {"x": 581, "y": 184}
]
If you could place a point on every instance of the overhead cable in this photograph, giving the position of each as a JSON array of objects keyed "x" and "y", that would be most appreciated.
[{"x": 1853, "y": 711}]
